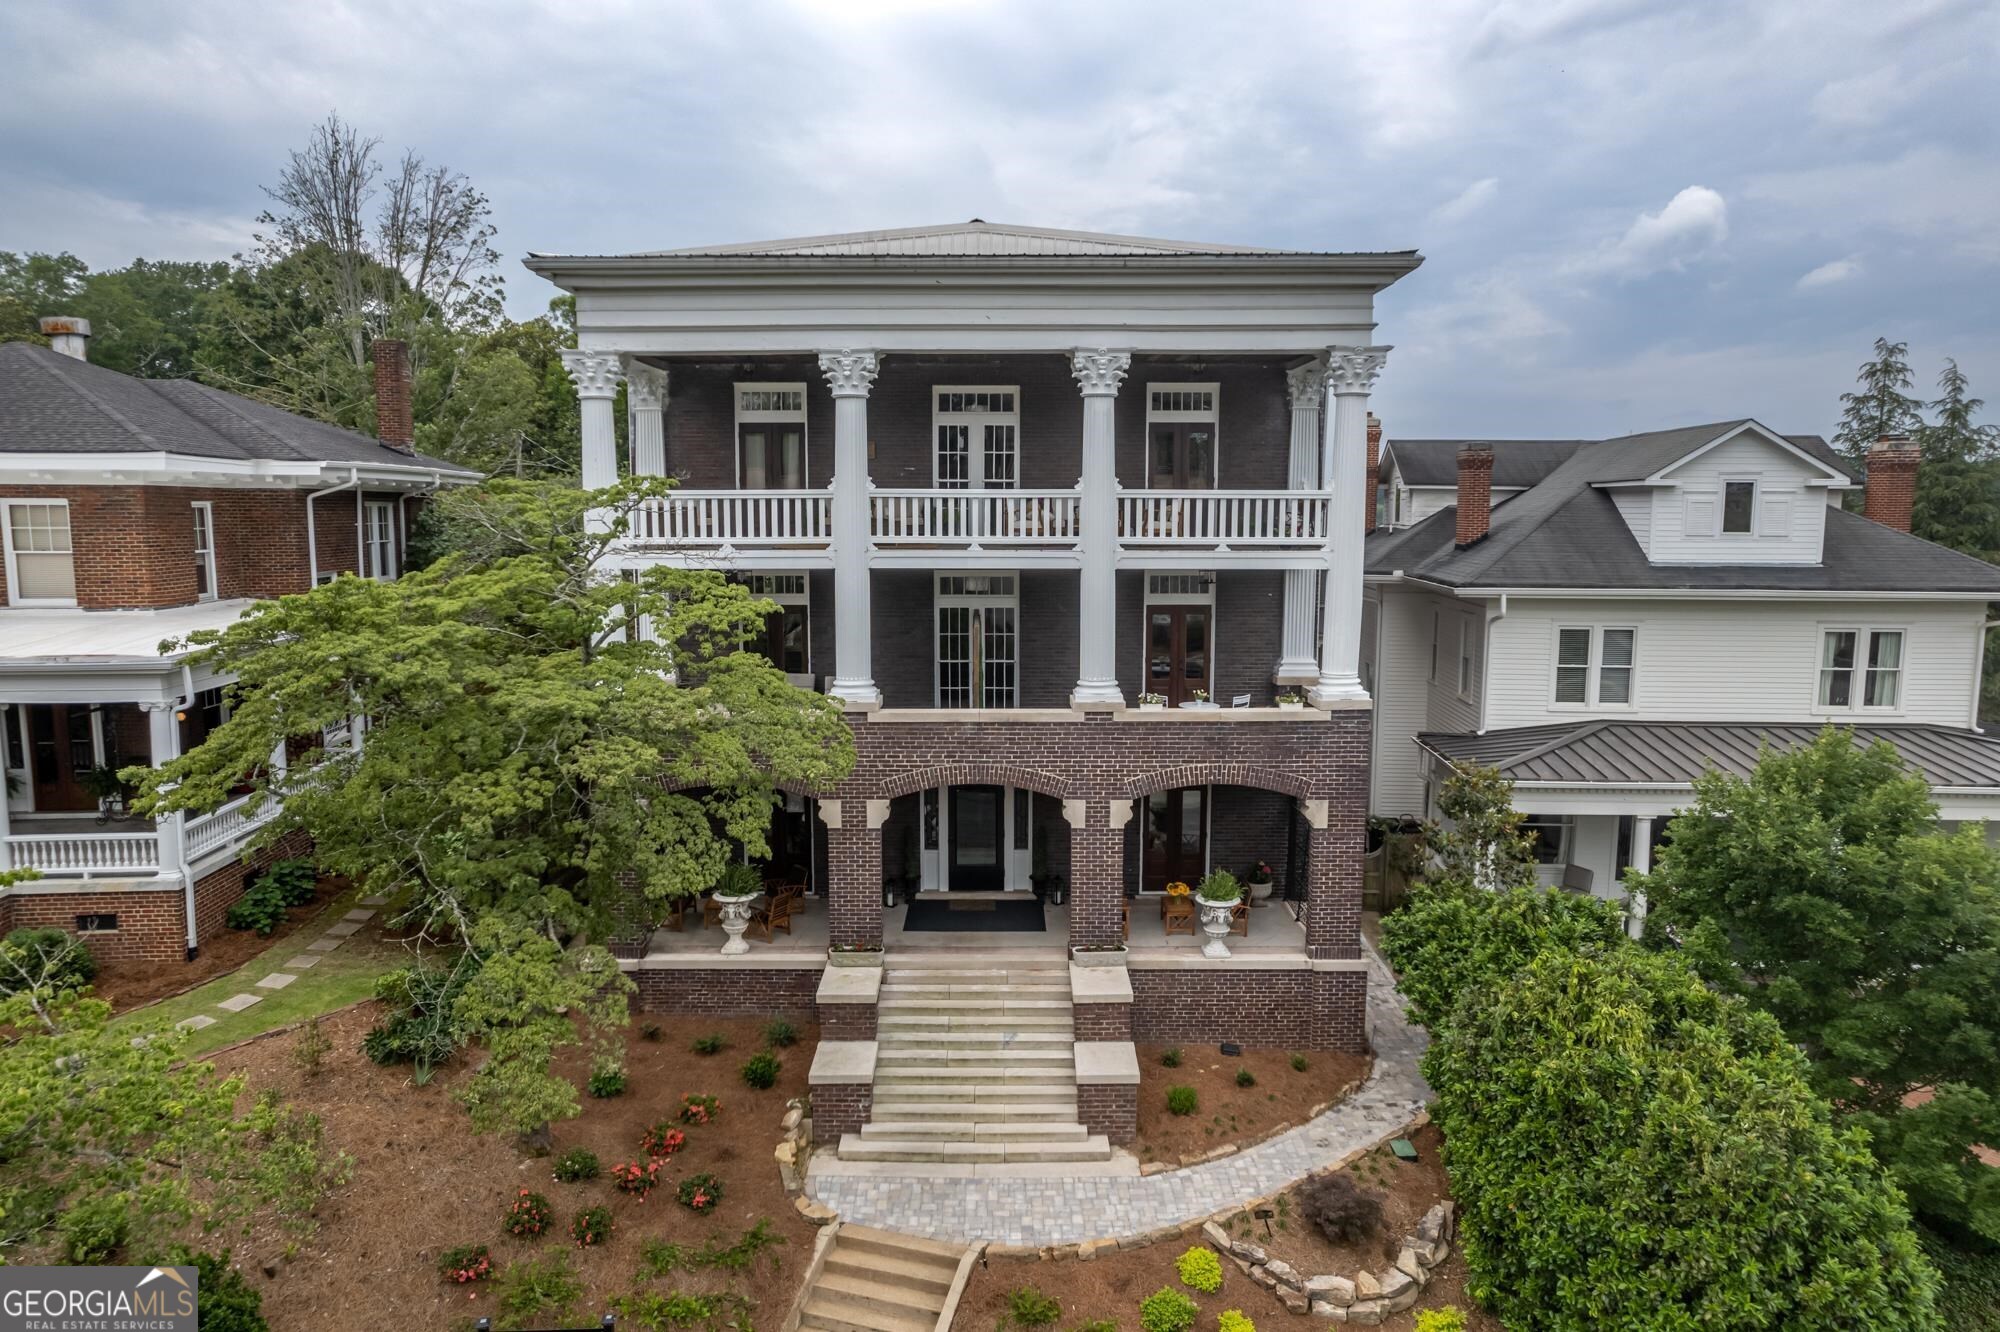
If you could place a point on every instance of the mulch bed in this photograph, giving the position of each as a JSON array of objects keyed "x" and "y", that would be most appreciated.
[
  {"x": 1110, "y": 1286},
  {"x": 423, "y": 1183},
  {"x": 1227, "y": 1113},
  {"x": 129, "y": 985}
]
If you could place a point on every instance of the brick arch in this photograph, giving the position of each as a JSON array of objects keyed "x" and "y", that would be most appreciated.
[
  {"x": 974, "y": 774},
  {"x": 1260, "y": 776}
]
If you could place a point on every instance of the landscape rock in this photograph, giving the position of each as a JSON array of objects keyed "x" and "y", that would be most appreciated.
[
  {"x": 1286, "y": 1274},
  {"x": 792, "y": 1118},
  {"x": 1294, "y": 1300},
  {"x": 1155, "y": 1167},
  {"x": 1243, "y": 1265},
  {"x": 1432, "y": 1226},
  {"x": 1332, "y": 1289},
  {"x": 1396, "y": 1282},
  {"x": 1337, "y": 1312},
  {"x": 1252, "y": 1253},
  {"x": 1215, "y": 1235},
  {"x": 1366, "y": 1287},
  {"x": 1262, "y": 1276},
  {"x": 1367, "y": 1311},
  {"x": 1410, "y": 1266},
  {"x": 817, "y": 1213},
  {"x": 1089, "y": 1249},
  {"x": 1428, "y": 1252}
]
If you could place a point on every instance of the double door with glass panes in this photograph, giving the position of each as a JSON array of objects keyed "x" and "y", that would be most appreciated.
[
  {"x": 1177, "y": 651},
  {"x": 978, "y": 433},
  {"x": 1175, "y": 839},
  {"x": 976, "y": 641},
  {"x": 1181, "y": 455}
]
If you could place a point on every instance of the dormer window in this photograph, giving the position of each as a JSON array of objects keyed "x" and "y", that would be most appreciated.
[{"x": 1739, "y": 508}]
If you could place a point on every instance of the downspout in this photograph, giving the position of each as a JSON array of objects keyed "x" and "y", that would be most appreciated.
[
  {"x": 312, "y": 534},
  {"x": 187, "y": 865},
  {"x": 1493, "y": 617}
]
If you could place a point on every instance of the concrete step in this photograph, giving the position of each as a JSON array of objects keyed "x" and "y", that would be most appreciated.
[
  {"x": 901, "y": 1129},
  {"x": 895, "y": 1244},
  {"x": 966, "y": 1032},
  {"x": 983, "y": 1007},
  {"x": 921, "y": 1275},
  {"x": 925, "y": 1054},
  {"x": 992, "y": 989},
  {"x": 891, "y": 1298},
  {"x": 853, "y": 1147},
  {"x": 830, "y": 1313},
  {"x": 1013, "y": 1075},
  {"x": 938, "y": 1087},
  {"x": 911, "y": 1106}
]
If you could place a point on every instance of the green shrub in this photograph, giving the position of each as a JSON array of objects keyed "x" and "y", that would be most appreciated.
[
  {"x": 740, "y": 880},
  {"x": 462, "y": 1264},
  {"x": 528, "y": 1216},
  {"x": 1171, "y": 1059},
  {"x": 1235, "y": 1320},
  {"x": 660, "y": 1258},
  {"x": 1097, "y": 1325},
  {"x": 607, "y": 1079},
  {"x": 1028, "y": 1307},
  {"x": 1200, "y": 1269},
  {"x": 709, "y": 1044},
  {"x": 778, "y": 1034},
  {"x": 57, "y": 958},
  {"x": 1167, "y": 1310},
  {"x": 1245, "y": 1078},
  {"x": 1630, "y": 1149},
  {"x": 1182, "y": 1101},
  {"x": 422, "y": 1027},
  {"x": 1340, "y": 1210},
  {"x": 538, "y": 1291},
  {"x": 591, "y": 1226},
  {"x": 1448, "y": 1319},
  {"x": 1970, "y": 1300},
  {"x": 699, "y": 1193},
  {"x": 296, "y": 882},
  {"x": 261, "y": 908},
  {"x": 1300, "y": 1063},
  {"x": 576, "y": 1165},
  {"x": 760, "y": 1070},
  {"x": 649, "y": 1031},
  {"x": 228, "y": 1302},
  {"x": 658, "y": 1313},
  {"x": 93, "y": 1230}
]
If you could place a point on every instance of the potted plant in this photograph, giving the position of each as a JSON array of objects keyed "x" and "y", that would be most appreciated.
[
  {"x": 1152, "y": 702},
  {"x": 1260, "y": 881},
  {"x": 1217, "y": 895},
  {"x": 109, "y": 790},
  {"x": 738, "y": 887},
  {"x": 1292, "y": 701}
]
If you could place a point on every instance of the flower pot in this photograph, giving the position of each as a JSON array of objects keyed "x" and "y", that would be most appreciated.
[
  {"x": 1215, "y": 924},
  {"x": 735, "y": 920},
  {"x": 1152, "y": 707},
  {"x": 1260, "y": 890},
  {"x": 854, "y": 957},
  {"x": 1293, "y": 705},
  {"x": 1099, "y": 957}
]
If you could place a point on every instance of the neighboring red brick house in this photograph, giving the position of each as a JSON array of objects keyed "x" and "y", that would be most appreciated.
[
  {"x": 1062, "y": 519},
  {"x": 133, "y": 511}
]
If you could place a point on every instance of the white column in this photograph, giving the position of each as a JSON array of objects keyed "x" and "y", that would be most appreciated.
[
  {"x": 1298, "y": 663},
  {"x": 1350, "y": 374},
  {"x": 1642, "y": 862},
  {"x": 9, "y": 721},
  {"x": 646, "y": 401},
  {"x": 164, "y": 736},
  {"x": 1099, "y": 373},
  {"x": 849, "y": 374},
  {"x": 596, "y": 375}
]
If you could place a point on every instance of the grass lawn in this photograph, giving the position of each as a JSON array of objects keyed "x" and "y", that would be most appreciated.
[{"x": 343, "y": 976}]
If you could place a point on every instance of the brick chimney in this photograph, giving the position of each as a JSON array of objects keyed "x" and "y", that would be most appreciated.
[
  {"x": 67, "y": 335},
  {"x": 1374, "y": 462},
  {"x": 1891, "y": 492},
  {"x": 1475, "y": 493},
  {"x": 395, "y": 426}
]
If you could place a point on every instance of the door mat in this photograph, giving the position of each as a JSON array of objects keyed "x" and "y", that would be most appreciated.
[{"x": 975, "y": 917}]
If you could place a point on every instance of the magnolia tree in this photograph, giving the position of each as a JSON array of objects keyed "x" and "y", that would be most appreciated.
[{"x": 552, "y": 750}]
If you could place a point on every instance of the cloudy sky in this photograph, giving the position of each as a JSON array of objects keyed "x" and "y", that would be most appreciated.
[{"x": 1634, "y": 213}]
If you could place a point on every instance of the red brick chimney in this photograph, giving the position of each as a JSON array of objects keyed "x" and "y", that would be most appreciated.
[
  {"x": 1892, "y": 481},
  {"x": 1475, "y": 493},
  {"x": 395, "y": 425},
  {"x": 1374, "y": 462}
]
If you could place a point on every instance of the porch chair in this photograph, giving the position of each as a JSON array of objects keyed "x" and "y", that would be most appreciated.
[
  {"x": 1239, "y": 919},
  {"x": 1177, "y": 916},
  {"x": 1125, "y": 916},
  {"x": 774, "y": 915},
  {"x": 677, "y": 916}
]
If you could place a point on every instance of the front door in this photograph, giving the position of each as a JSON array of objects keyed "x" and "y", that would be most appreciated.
[
  {"x": 1176, "y": 834},
  {"x": 1177, "y": 651},
  {"x": 60, "y": 749},
  {"x": 1182, "y": 456},
  {"x": 978, "y": 859}
]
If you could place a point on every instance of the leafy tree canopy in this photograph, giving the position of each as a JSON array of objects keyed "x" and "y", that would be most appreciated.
[{"x": 1824, "y": 891}]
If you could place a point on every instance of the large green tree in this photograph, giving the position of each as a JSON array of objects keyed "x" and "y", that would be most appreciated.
[
  {"x": 1824, "y": 891},
  {"x": 1882, "y": 404}
]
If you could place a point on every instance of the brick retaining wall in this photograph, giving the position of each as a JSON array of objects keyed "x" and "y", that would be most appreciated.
[
  {"x": 1112, "y": 1110},
  {"x": 730, "y": 992}
]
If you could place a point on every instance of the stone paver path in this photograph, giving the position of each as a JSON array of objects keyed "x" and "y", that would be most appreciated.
[
  {"x": 196, "y": 1023},
  {"x": 326, "y": 943},
  {"x": 236, "y": 1003},
  {"x": 304, "y": 962},
  {"x": 357, "y": 915},
  {"x": 342, "y": 930},
  {"x": 334, "y": 936},
  {"x": 1069, "y": 1210},
  {"x": 277, "y": 980}
]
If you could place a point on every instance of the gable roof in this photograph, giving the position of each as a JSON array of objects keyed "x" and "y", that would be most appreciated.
[
  {"x": 56, "y": 404},
  {"x": 1517, "y": 463},
  {"x": 1565, "y": 532}
]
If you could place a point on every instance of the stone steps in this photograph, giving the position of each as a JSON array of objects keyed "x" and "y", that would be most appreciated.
[
  {"x": 1093, "y": 1147},
  {"x": 878, "y": 1281},
  {"x": 911, "y": 1106},
  {"x": 992, "y": 1092},
  {"x": 960, "y": 1038},
  {"x": 974, "y": 1130}
]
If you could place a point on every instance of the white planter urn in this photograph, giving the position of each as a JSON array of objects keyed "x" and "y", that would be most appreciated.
[
  {"x": 1215, "y": 924},
  {"x": 735, "y": 920},
  {"x": 1259, "y": 892}
]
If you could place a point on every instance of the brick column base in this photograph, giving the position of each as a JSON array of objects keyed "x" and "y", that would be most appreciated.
[
  {"x": 1110, "y": 1110},
  {"x": 1340, "y": 1011},
  {"x": 1096, "y": 879},
  {"x": 843, "y": 1108},
  {"x": 1103, "y": 1022},
  {"x": 847, "y": 1022},
  {"x": 854, "y": 875}
]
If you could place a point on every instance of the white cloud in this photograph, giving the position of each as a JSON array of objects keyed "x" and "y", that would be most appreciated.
[
  {"x": 1830, "y": 273},
  {"x": 1469, "y": 201},
  {"x": 1865, "y": 100},
  {"x": 1694, "y": 223}
]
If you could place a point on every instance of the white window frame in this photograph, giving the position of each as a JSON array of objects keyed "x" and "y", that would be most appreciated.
[
  {"x": 14, "y": 597},
  {"x": 205, "y": 556},
  {"x": 763, "y": 585},
  {"x": 1437, "y": 640},
  {"x": 975, "y": 423},
  {"x": 1210, "y": 416},
  {"x": 1167, "y": 595},
  {"x": 1466, "y": 668},
  {"x": 1722, "y": 485},
  {"x": 1864, "y": 638},
  {"x": 375, "y": 543},
  {"x": 941, "y": 600},
  {"x": 750, "y": 416},
  {"x": 1593, "y": 668}
]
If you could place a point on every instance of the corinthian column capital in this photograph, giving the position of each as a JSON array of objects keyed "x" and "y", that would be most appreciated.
[
  {"x": 1353, "y": 369},
  {"x": 1099, "y": 372},
  {"x": 849, "y": 373},
  {"x": 595, "y": 373},
  {"x": 645, "y": 385},
  {"x": 1306, "y": 386}
]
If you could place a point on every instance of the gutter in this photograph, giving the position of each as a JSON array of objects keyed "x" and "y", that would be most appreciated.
[
  {"x": 186, "y": 866},
  {"x": 353, "y": 482},
  {"x": 1493, "y": 617}
]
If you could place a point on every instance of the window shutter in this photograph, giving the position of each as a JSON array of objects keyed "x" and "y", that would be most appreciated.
[
  {"x": 1777, "y": 517},
  {"x": 1701, "y": 513}
]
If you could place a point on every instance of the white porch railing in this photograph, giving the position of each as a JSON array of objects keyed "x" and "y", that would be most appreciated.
[
  {"x": 972, "y": 518},
  {"x": 88, "y": 855},
  {"x": 736, "y": 518},
  {"x": 222, "y": 827},
  {"x": 1222, "y": 519}
]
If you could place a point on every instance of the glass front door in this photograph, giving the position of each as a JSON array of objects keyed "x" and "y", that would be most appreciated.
[
  {"x": 772, "y": 456},
  {"x": 977, "y": 822},
  {"x": 1176, "y": 838},
  {"x": 60, "y": 750},
  {"x": 1181, "y": 456},
  {"x": 1177, "y": 651}
]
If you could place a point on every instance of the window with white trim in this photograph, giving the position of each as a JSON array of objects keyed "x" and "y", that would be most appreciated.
[
  {"x": 204, "y": 550},
  {"x": 1548, "y": 837},
  {"x": 379, "y": 536},
  {"x": 770, "y": 436},
  {"x": 1850, "y": 679},
  {"x": 1465, "y": 640},
  {"x": 41, "y": 566},
  {"x": 1739, "y": 508},
  {"x": 976, "y": 640},
  {"x": 1181, "y": 434},
  {"x": 1595, "y": 665},
  {"x": 977, "y": 431},
  {"x": 787, "y": 636}
]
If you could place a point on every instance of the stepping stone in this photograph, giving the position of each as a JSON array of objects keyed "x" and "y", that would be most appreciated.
[
  {"x": 378, "y": 899},
  {"x": 304, "y": 962},
  {"x": 195, "y": 1023},
  {"x": 359, "y": 915},
  {"x": 277, "y": 980},
  {"x": 323, "y": 945},
  {"x": 342, "y": 930},
  {"x": 236, "y": 1003}
]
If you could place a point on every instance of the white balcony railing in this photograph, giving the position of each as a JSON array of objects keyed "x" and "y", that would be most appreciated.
[
  {"x": 741, "y": 518},
  {"x": 225, "y": 826},
  {"x": 1223, "y": 519},
  {"x": 974, "y": 518},
  {"x": 85, "y": 854}
]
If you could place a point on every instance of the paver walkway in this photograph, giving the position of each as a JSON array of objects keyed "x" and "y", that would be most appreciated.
[
  {"x": 278, "y": 980},
  {"x": 1068, "y": 1210}
]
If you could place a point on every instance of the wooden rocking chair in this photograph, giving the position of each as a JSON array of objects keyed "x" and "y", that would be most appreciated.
[{"x": 774, "y": 915}]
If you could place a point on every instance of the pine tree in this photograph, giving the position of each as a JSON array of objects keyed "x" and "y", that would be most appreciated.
[
  {"x": 1882, "y": 407},
  {"x": 1958, "y": 486}
]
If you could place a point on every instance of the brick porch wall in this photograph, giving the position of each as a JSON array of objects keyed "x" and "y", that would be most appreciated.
[
  {"x": 149, "y": 929},
  {"x": 219, "y": 889},
  {"x": 840, "y": 1108},
  {"x": 1102, "y": 1022},
  {"x": 1111, "y": 1110},
  {"x": 730, "y": 992},
  {"x": 1260, "y": 1010}
]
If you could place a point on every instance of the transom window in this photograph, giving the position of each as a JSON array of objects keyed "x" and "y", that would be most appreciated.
[
  {"x": 978, "y": 433},
  {"x": 1595, "y": 665},
  {"x": 1880, "y": 671},
  {"x": 204, "y": 551},
  {"x": 771, "y": 436},
  {"x": 1164, "y": 400},
  {"x": 41, "y": 566},
  {"x": 977, "y": 645},
  {"x": 754, "y": 399}
]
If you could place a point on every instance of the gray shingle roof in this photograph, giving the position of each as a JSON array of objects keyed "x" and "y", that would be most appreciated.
[
  {"x": 1517, "y": 463},
  {"x": 1675, "y": 753},
  {"x": 51, "y": 403}
]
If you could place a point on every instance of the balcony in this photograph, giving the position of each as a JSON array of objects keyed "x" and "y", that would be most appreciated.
[
  {"x": 737, "y": 520},
  {"x": 60, "y": 848},
  {"x": 973, "y": 520}
]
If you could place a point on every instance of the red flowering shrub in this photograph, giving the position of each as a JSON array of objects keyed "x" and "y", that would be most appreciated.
[
  {"x": 634, "y": 1178},
  {"x": 528, "y": 1216},
  {"x": 700, "y": 1192},
  {"x": 697, "y": 1109},
  {"x": 465, "y": 1264},
  {"x": 593, "y": 1225},
  {"x": 662, "y": 1139}
]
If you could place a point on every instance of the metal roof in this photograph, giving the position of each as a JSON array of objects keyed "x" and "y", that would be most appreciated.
[{"x": 1643, "y": 753}]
